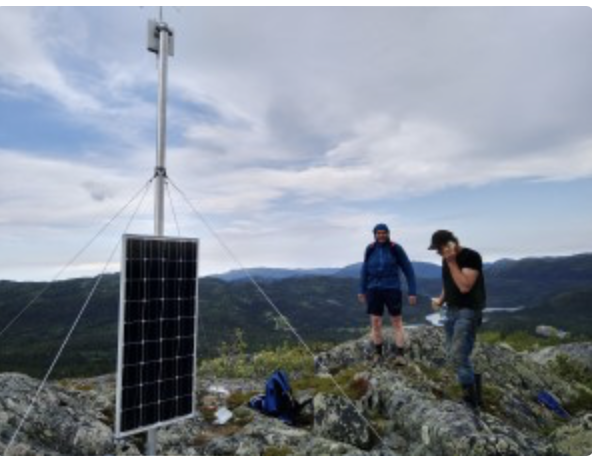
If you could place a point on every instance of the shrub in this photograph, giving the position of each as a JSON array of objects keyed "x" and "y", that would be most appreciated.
[
  {"x": 520, "y": 340},
  {"x": 573, "y": 372},
  {"x": 238, "y": 398},
  {"x": 209, "y": 414},
  {"x": 277, "y": 451},
  {"x": 355, "y": 388},
  {"x": 242, "y": 416},
  {"x": 296, "y": 361}
]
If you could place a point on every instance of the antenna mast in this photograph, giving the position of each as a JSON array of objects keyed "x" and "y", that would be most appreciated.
[{"x": 161, "y": 42}]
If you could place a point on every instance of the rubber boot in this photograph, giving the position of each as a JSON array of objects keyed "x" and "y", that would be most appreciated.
[
  {"x": 479, "y": 389},
  {"x": 400, "y": 356},
  {"x": 377, "y": 357},
  {"x": 470, "y": 396}
]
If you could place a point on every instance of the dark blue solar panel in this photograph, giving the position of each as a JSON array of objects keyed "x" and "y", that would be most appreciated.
[{"x": 156, "y": 374}]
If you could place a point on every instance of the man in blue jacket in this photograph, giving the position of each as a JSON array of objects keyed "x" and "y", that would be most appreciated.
[{"x": 380, "y": 287}]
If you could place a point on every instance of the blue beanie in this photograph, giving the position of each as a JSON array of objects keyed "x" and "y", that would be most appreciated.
[{"x": 381, "y": 227}]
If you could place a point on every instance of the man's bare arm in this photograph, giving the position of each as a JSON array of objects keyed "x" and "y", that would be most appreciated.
[{"x": 463, "y": 278}]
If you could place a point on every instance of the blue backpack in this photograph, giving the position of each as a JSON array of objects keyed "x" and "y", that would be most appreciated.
[
  {"x": 277, "y": 400},
  {"x": 392, "y": 248},
  {"x": 549, "y": 401}
]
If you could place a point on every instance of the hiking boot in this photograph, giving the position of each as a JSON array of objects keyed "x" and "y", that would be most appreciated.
[
  {"x": 470, "y": 396},
  {"x": 400, "y": 359},
  {"x": 479, "y": 389}
]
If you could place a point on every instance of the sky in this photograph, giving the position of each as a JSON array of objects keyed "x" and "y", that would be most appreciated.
[{"x": 294, "y": 131}]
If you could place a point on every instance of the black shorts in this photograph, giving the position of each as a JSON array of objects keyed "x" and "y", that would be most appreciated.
[{"x": 377, "y": 299}]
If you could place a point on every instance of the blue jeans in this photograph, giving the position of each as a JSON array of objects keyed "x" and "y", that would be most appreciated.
[{"x": 461, "y": 330}]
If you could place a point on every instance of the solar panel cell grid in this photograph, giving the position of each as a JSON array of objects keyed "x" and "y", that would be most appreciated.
[{"x": 156, "y": 372}]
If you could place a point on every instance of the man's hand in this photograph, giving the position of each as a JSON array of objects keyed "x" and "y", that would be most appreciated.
[
  {"x": 362, "y": 298},
  {"x": 437, "y": 303},
  {"x": 449, "y": 254},
  {"x": 412, "y": 300}
]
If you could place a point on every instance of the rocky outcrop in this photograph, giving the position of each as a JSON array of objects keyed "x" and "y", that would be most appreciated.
[
  {"x": 418, "y": 406},
  {"x": 265, "y": 433},
  {"x": 444, "y": 427},
  {"x": 337, "y": 419},
  {"x": 575, "y": 437},
  {"x": 551, "y": 332},
  {"x": 580, "y": 353},
  {"x": 411, "y": 410},
  {"x": 58, "y": 423}
]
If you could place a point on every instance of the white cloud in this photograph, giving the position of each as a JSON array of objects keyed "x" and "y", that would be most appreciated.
[
  {"x": 27, "y": 64},
  {"x": 287, "y": 121},
  {"x": 37, "y": 191}
]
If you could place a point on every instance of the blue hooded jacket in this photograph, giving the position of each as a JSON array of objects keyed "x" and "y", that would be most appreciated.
[{"x": 381, "y": 268}]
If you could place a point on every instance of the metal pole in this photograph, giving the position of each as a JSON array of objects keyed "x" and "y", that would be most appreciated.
[
  {"x": 160, "y": 171},
  {"x": 151, "y": 443}
]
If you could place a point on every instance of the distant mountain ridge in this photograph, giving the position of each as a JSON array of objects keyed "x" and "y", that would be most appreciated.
[
  {"x": 573, "y": 267},
  {"x": 322, "y": 308},
  {"x": 422, "y": 269},
  {"x": 267, "y": 273}
]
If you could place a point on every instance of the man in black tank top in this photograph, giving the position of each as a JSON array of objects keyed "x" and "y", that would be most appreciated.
[{"x": 464, "y": 293}]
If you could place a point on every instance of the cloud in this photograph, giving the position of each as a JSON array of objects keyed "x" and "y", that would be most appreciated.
[
  {"x": 28, "y": 64},
  {"x": 300, "y": 122},
  {"x": 383, "y": 160},
  {"x": 390, "y": 101},
  {"x": 400, "y": 89},
  {"x": 97, "y": 190},
  {"x": 45, "y": 192},
  {"x": 65, "y": 59}
]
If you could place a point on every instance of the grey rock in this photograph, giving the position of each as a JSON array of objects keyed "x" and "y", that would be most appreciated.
[
  {"x": 412, "y": 401},
  {"x": 580, "y": 353},
  {"x": 337, "y": 419},
  {"x": 412, "y": 407},
  {"x": 575, "y": 438},
  {"x": 449, "y": 428},
  {"x": 264, "y": 433},
  {"x": 550, "y": 331},
  {"x": 227, "y": 446},
  {"x": 57, "y": 424}
]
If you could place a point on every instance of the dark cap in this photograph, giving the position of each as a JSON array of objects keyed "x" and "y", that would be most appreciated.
[
  {"x": 441, "y": 238},
  {"x": 381, "y": 227}
]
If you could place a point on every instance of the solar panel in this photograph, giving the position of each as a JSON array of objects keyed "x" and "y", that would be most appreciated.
[{"x": 157, "y": 332}]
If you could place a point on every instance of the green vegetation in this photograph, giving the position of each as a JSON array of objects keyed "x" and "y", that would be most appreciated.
[
  {"x": 445, "y": 386},
  {"x": 75, "y": 385},
  {"x": 444, "y": 382},
  {"x": 208, "y": 414},
  {"x": 239, "y": 397},
  {"x": 295, "y": 360},
  {"x": 277, "y": 451},
  {"x": 521, "y": 340},
  {"x": 322, "y": 309},
  {"x": 567, "y": 307},
  {"x": 311, "y": 304},
  {"x": 242, "y": 416},
  {"x": 576, "y": 374},
  {"x": 492, "y": 399},
  {"x": 234, "y": 361},
  {"x": 571, "y": 370},
  {"x": 379, "y": 423},
  {"x": 354, "y": 387},
  {"x": 260, "y": 365}
]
